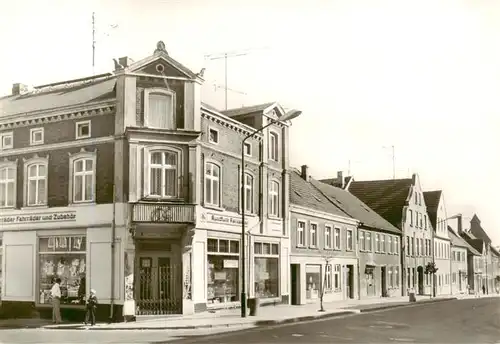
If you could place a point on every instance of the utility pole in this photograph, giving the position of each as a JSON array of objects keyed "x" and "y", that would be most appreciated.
[
  {"x": 225, "y": 56},
  {"x": 93, "y": 43},
  {"x": 393, "y": 161}
]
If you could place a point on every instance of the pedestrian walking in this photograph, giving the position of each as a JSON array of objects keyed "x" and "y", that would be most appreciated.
[
  {"x": 55, "y": 294},
  {"x": 484, "y": 289},
  {"x": 90, "y": 308}
]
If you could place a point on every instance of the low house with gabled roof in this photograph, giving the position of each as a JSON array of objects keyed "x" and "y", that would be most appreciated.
[
  {"x": 378, "y": 244},
  {"x": 323, "y": 245},
  {"x": 461, "y": 252}
]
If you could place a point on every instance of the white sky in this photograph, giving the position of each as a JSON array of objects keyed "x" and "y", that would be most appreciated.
[{"x": 423, "y": 76}]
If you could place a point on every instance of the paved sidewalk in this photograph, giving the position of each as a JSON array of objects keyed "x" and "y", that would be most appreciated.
[{"x": 267, "y": 315}]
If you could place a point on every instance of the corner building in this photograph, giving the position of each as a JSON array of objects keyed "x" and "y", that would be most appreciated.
[{"x": 128, "y": 184}]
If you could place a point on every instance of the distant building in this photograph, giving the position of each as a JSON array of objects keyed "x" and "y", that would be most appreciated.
[
  {"x": 436, "y": 210},
  {"x": 378, "y": 244},
  {"x": 460, "y": 251},
  {"x": 401, "y": 202}
]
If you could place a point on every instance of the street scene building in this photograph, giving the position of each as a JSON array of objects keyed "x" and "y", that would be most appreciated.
[
  {"x": 378, "y": 242},
  {"x": 323, "y": 245},
  {"x": 436, "y": 210},
  {"x": 401, "y": 202},
  {"x": 460, "y": 249},
  {"x": 127, "y": 184}
]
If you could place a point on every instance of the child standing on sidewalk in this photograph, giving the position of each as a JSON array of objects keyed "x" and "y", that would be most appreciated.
[{"x": 90, "y": 307}]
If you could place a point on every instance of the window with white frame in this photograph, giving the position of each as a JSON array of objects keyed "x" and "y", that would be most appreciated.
[
  {"x": 274, "y": 198},
  {"x": 36, "y": 186},
  {"x": 273, "y": 146},
  {"x": 6, "y": 140},
  {"x": 425, "y": 221},
  {"x": 159, "y": 109},
  {"x": 377, "y": 242},
  {"x": 8, "y": 185},
  {"x": 337, "y": 239},
  {"x": 382, "y": 243},
  {"x": 301, "y": 236},
  {"x": 349, "y": 240},
  {"x": 362, "y": 243},
  {"x": 82, "y": 130},
  {"x": 248, "y": 186},
  {"x": 328, "y": 277},
  {"x": 314, "y": 235},
  {"x": 390, "y": 248},
  {"x": 396, "y": 276},
  {"x": 247, "y": 148},
  {"x": 396, "y": 245},
  {"x": 36, "y": 136},
  {"x": 390, "y": 277},
  {"x": 213, "y": 135},
  {"x": 212, "y": 184},
  {"x": 336, "y": 277},
  {"x": 410, "y": 215},
  {"x": 163, "y": 174},
  {"x": 83, "y": 179},
  {"x": 328, "y": 237},
  {"x": 368, "y": 237}
]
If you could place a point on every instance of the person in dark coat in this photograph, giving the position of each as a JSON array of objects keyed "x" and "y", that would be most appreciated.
[{"x": 90, "y": 307}]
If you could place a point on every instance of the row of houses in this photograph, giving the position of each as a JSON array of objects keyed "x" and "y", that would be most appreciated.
[{"x": 127, "y": 183}]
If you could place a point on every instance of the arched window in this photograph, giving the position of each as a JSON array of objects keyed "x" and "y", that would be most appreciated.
[
  {"x": 274, "y": 198},
  {"x": 163, "y": 176},
  {"x": 159, "y": 109},
  {"x": 7, "y": 186},
  {"x": 212, "y": 184},
  {"x": 37, "y": 184},
  {"x": 84, "y": 180}
]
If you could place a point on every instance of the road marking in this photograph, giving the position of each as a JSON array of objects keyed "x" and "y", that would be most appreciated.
[
  {"x": 381, "y": 326},
  {"x": 297, "y": 335},
  {"x": 402, "y": 339}
]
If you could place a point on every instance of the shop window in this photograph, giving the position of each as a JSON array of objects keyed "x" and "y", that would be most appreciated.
[
  {"x": 223, "y": 271},
  {"x": 390, "y": 277},
  {"x": 63, "y": 257},
  {"x": 1, "y": 273},
  {"x": 313, "y": 281},
  {"x": 396, "y": 276},
  {"x": 266, "y": 269}
]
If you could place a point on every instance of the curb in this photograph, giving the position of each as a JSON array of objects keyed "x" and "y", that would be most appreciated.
[
  {"x": 257, "y": 323},
  {"x": 410, "y": 304}
]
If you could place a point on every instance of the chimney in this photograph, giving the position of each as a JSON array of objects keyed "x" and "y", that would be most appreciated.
[
  {"x": 459, "y": 224},
  {"x": 304, "y": 172},
  {"x": 19, "y": 89},
  {"x": 125, "y": 61},
  {"x": 340, "y": 179}
]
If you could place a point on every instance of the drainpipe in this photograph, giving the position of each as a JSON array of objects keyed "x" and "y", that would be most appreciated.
[{"x": 113, "y": 233}]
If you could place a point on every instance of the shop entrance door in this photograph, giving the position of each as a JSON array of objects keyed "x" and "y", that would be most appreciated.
[{"x": 158, "y": 291}]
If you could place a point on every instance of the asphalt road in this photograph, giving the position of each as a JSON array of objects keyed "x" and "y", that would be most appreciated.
[{"x": 461, "y": 321}]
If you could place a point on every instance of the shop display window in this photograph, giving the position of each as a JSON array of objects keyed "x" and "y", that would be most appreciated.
[
  {"x": 223, "y": 271},
  {"x": 266, "y": 269},
  {"x": 63, "y": 257}
]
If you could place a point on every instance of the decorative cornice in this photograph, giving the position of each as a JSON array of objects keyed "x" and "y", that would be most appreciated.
[
  {"x": 36, "y": 157},
  {"x": 83, "y": 151},
  {"x": 41, "y": 118},
  {"x": 230, "y": 123},
  {"x": 6, "y": 161}
]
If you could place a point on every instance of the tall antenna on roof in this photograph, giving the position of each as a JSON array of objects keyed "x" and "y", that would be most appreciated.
[
  {"x": 225, "y": 56},
  {"x": 93, "y": 42}
]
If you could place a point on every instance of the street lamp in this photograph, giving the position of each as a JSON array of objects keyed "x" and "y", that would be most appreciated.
[{"x": 286, "y": 117}]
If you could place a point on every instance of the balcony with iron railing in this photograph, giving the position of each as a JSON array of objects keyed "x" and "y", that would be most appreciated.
[{"x": 146, "y": 212}]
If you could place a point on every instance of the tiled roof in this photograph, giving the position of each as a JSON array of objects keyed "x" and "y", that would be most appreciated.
[
  {"x": 210, "y": 107},
  {"x": 456, "y": 240},
  {"x": 353, "y": 206},
  {"x": 335, "y": 181},
  {"x": 477, "y": 244},
  {"x": 304, "y": 194},
  {"x": 431, "y": 199},
  {"x": 386, "y": 197},
  {"x": 58, "y": 96},
  {"x": 245, "y": 110}
]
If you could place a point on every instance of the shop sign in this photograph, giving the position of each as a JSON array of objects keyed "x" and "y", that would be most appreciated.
[
  {"x": 223, "y": 219},
  {"x": 230, "y": 264},
  {"x": 38, "y": 218}
]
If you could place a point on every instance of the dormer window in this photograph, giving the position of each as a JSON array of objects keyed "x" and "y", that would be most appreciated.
[{"x": 159, "y": 109}]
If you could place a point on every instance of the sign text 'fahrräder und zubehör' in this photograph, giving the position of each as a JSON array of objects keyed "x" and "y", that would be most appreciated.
[{"x": 38, "y": 218}]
